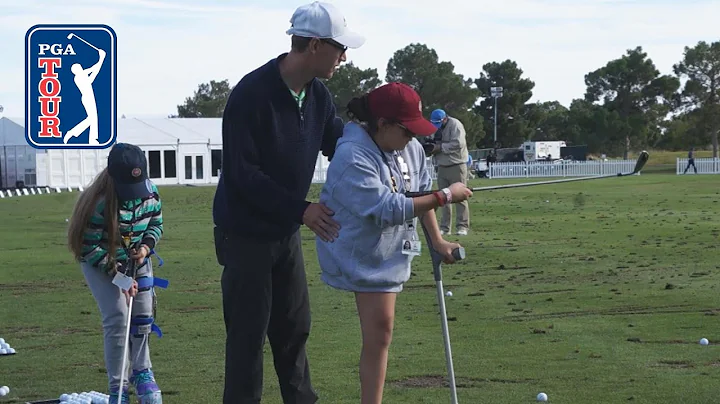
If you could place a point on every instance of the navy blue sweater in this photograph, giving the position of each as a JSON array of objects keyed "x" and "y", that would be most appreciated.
[{"x": 270, "y": 147}]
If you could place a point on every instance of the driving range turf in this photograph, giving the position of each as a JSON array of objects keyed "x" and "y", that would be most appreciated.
[{"x": 592, "y": 292}]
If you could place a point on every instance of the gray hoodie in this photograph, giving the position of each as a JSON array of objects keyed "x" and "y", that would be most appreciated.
[{"x": 367, "y": 256}]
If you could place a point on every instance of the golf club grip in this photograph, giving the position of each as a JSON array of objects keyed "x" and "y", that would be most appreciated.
[{"x": 459, "y": 254}]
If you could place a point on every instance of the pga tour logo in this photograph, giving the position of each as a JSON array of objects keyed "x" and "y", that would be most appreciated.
[{"x": 70, "y": 86}]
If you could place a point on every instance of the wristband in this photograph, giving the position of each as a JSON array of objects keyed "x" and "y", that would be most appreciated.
[
  {"x": 448, "y": 195},
  {"x": 439, "y": 197}
]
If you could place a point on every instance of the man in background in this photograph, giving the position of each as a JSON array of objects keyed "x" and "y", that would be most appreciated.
[
  {"x": 691, "y": 160},
  {"x": 277, "y": 120},
  {"x": 451, "y": 156}
]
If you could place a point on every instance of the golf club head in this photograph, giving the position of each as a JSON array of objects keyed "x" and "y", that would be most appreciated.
[
  {"x": 642, "y": 159},
  {"x": 70, "y": 35}
]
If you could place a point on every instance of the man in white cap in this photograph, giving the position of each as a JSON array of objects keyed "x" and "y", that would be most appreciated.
[{"x": 276, "y": 121}]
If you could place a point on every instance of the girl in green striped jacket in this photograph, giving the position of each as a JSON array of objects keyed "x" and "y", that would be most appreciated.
[{"x": 116, "y": 219}]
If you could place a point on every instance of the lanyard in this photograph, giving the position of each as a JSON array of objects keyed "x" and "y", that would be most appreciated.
[{"x": 402, "y": 166}]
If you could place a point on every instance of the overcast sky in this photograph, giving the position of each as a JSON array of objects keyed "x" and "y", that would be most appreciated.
[{"x": 166, "y": 48}]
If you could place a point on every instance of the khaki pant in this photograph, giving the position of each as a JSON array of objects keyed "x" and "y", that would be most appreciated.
[{"x": 447, "y": 176}]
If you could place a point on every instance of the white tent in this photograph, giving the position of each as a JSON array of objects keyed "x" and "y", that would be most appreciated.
[
  {"x": 178, "y": 150},
  {"x": 176, "y": 154},
  {"x": 17, "y": 158}
]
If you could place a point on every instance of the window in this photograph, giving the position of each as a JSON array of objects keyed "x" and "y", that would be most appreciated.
[
  {"x": 170, "y": 164},
  {"x": 188, "y": 167},
  {"x": 199, "y": 167},
  {"x": 216, "y": 161},
  {"x": 30, "y": 177},
  {"x": 154, "y": 164}
]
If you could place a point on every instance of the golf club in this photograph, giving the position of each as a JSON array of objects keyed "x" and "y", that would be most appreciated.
[
  {"x": 437, "y": 260},
  {"x": 70, "y": 35},
  {"x": 642, "y": 159}
]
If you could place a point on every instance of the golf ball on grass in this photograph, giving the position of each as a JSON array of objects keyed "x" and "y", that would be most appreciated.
[
  {"x": 542, "y": 397},
  {"x": 4, "y": 390},
  {"x": 704, "y": 341},
  {"x": 448, "y": 293}
]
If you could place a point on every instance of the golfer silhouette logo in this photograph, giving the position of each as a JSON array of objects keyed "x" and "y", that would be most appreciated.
[{"x": 71, "y": 86}]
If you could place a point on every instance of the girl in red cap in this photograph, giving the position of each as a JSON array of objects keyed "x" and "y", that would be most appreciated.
[{"x": 376, "y": 161}]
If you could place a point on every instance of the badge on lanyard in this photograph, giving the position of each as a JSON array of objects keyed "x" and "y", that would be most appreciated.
[{"x": 411, "y": 247}]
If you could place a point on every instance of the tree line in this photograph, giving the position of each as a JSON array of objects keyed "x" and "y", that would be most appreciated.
[{"x": 628, "y": 105}]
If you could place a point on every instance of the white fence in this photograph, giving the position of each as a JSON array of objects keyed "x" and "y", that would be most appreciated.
[
  {"x": 537, "y": 169},
  {"x": 703, "y": 166}
]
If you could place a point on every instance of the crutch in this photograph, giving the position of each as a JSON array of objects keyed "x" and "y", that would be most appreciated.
[{"x": 437, "y": 259}]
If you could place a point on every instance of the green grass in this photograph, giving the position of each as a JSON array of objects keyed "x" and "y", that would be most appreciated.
[{"x": 593, "y": 292}]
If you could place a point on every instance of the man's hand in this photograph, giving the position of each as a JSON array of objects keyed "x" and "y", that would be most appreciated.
[
  {"x": 436, "y": 149},
  {"x": 317, "y": 218}
]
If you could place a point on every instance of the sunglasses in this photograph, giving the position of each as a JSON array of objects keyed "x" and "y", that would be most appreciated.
[
  {"x": 335, "y": 44},
  {"x": 407, "y": 131}
]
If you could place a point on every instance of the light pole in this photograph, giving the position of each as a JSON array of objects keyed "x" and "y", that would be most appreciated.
[{"x": 495, "y": 92}]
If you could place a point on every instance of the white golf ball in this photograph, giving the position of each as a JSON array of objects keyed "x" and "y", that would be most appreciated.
[
  {"x": 542, "y": 397},
  {"x": 11, "y": 350},
  {"x": 3, "y": 351},
  {"x": 2, "y": 341},
  {"x": 448, "y": 293},
  {"x": 704, "y": 341},
  {"x": 4, "y": 390},
  {"x": 64, "y": 397}
]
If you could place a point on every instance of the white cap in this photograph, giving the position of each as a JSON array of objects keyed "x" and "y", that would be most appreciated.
[{"x": 325, "y": 21}]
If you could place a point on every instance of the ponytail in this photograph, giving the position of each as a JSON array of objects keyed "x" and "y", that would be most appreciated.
[{"x": 358, "y": 109}]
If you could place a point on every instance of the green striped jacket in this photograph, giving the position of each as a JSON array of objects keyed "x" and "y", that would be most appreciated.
[{"x": 141, "y": 220}]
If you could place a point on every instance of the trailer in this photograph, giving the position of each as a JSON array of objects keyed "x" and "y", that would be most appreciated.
[
  {"x": 575, "y": 153},
  {"x": 545, "y": 150}
]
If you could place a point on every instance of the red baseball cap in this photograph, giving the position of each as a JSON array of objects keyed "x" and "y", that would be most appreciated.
[{"x": 400, "y": 103}]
